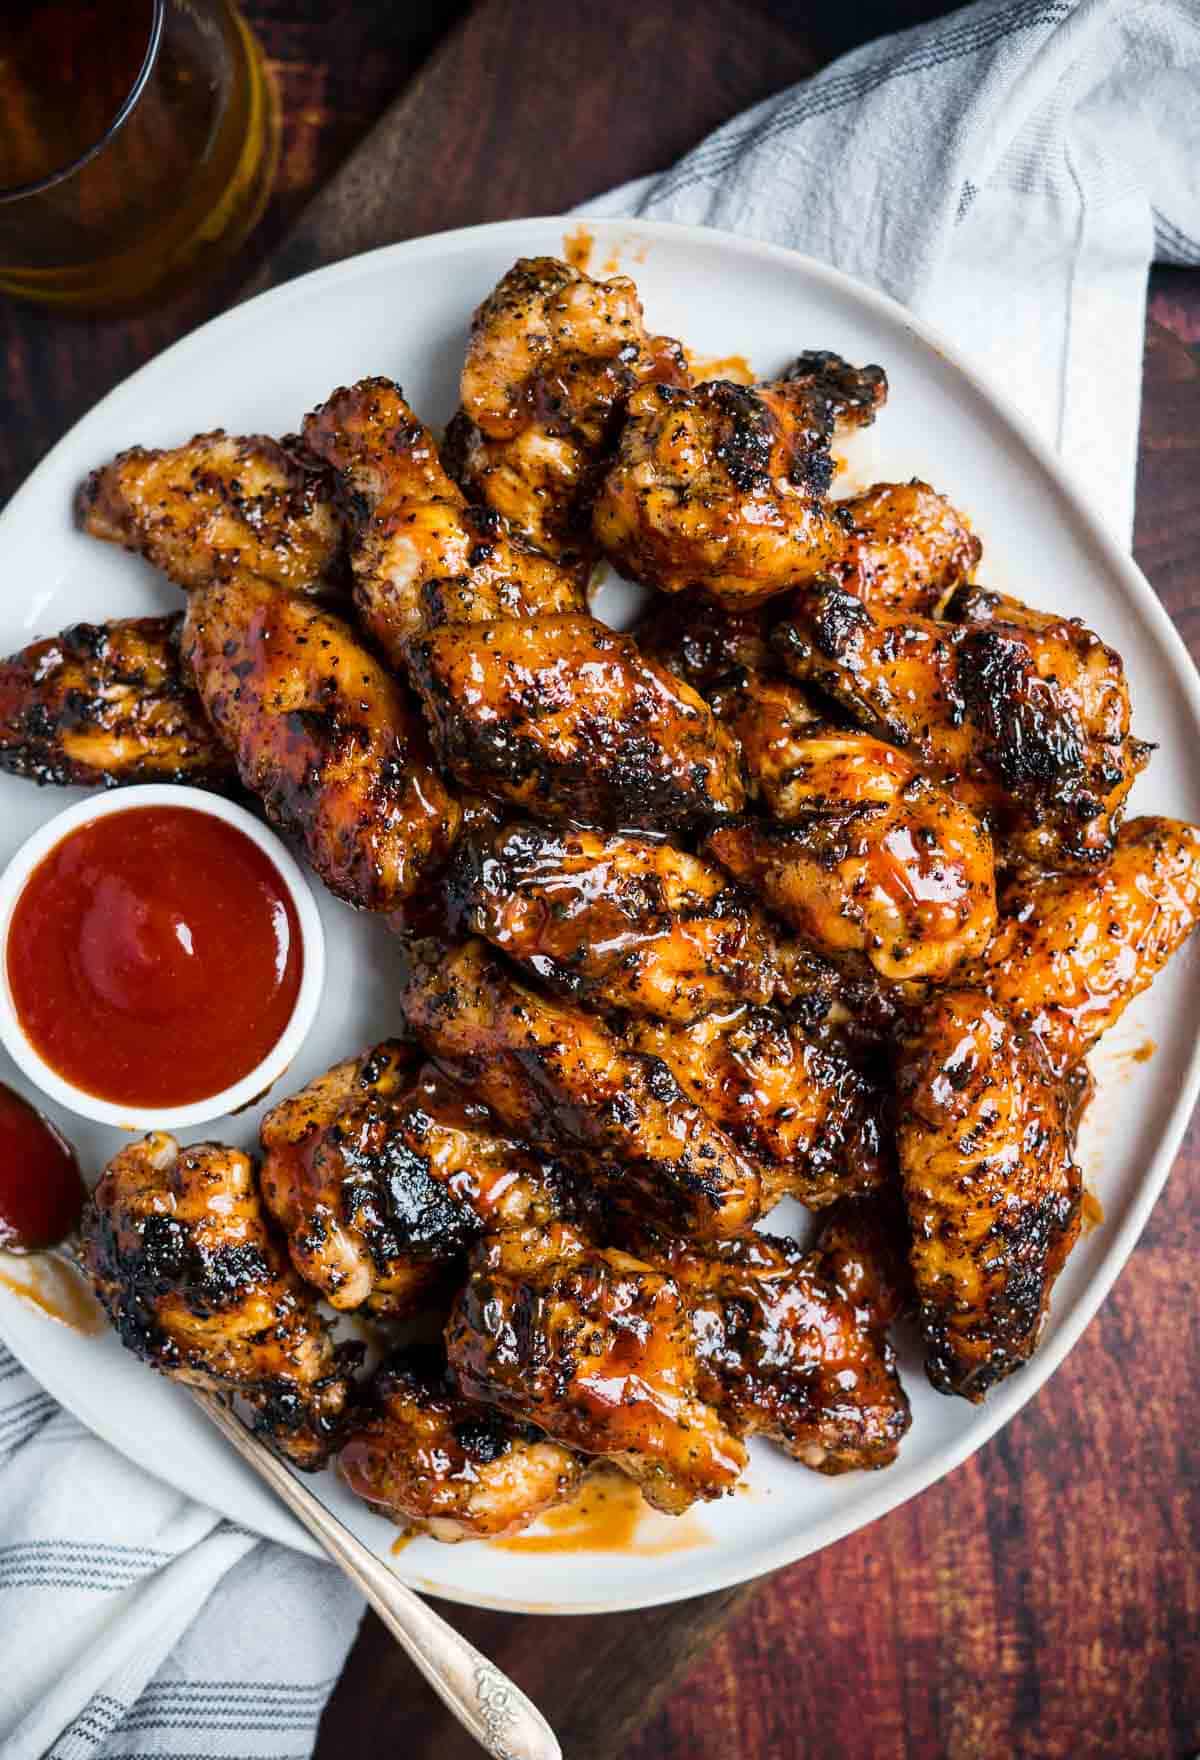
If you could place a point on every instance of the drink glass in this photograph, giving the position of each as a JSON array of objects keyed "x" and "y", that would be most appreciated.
[{"x": 138, "y": 143}]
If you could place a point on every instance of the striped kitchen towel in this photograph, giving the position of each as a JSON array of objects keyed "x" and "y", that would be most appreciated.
[
  {"x": 1008, "y": 173},
  {"x": 136, "y": 1622}
]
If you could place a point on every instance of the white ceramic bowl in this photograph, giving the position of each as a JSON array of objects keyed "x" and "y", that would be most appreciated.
[{"x": 312, "y": 943}]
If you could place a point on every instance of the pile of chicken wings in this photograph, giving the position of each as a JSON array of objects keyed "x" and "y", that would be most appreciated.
[{"x": 814, "y": 884}]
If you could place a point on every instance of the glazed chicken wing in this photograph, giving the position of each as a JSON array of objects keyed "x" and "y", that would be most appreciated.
[
  {"x": 565, "y": 718},
  {"x": 445, "y": 1466},
  {"x": 993, "y": 1195},
  {"x": 221, "y": 506},
  {"x": 875, "y": 865},
  {"x": 725, "y": 487},
  {"x": 563, "y": 1081},
  {"x": 323, "y": 735},
  {"x": 906, "y": 548},
  {"x": 383, "y": 1176},
  {"x": 773, "y": 722},
  {"x": 180, "y": 1254},
  {"x": 421, "y": 557},
  {"x": 784, "y": 1354},
  {"x": 862, "y": 1250},
  {"x": 1027, "y": 715},
  {"x": 803, "y": 1110},
  {"x": 627, "y": 923},
  {"x": 106, "y": 704},
  {"x": 553, "y": 359},
  {"x": 703, "y": 642},
  {"x": 1073, "y": 950},
  {"x": 1049, "y": 704},
  {"x": 597, "y": 1349}
]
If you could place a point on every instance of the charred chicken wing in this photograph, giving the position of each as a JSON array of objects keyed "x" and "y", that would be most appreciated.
[
  {"x": 323, "y": 735},
  {"x": 703, "y": 642},
  {"x": 383, "y": 1176},
  {"x": 562, "y": 1080},
  {"x": 106, "y": 704},
  {"x": 597, "y": 1349},
  {"x": 442, "y": 1465},
  {"x": 906, "y": 548},
  {"x": 783, "y": 1354},
  {"x": 1027, "y": 715},
  {"x": 218, "y": 507},
  {"x": 725, "y": 487},
  {"x": 875, "y": 865},
  {"x": 179, "y": 1251},
  {"x": 553, "y": 359},
  {"x": 803, "y": 1110},
  {"x": 622, "y": 922},
  {"x": 565, "y": 718},
  {"x": 421, "y": 556},
  {"x": 1073, "y": 950},
  {"x": 992, "y": 1192}
]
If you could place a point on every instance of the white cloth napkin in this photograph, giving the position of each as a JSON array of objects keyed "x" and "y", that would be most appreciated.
[
  {"x": 1005, "y": 172},
  {"x": 1008, "y": 173},
  {"x": 134, "y": 1621}
]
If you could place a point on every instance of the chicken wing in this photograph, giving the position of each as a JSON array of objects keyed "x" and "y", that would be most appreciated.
[
  {"x": 783, "y": 1354},
  {"x": 704, "y": 643},
  {"x": 106, "y": 704},
  {"x": 992, "y": 1192},
  {"x": 862, "y": 1250},
  {"x": 221, "y": 506},
  {"x": 195, "y": 1284},
  {"x": 421, "y": 557},
  {"x": 1028, "y": 716},
  {"x": 323, "y": 735},
  {"x": 907, "y": 548},
  {"x": 383, "y": 1176},
  {"x": 725, "y": 487},
  {"x": 442, "y": 1465},
  {"x": 565, "y": 718},
  {"x": 877, "y": 866},
  {"x": 803, "y": 1110},
  {"x": 1073, "y": 950},
  {"x": 627, "y": 923},
  {"x": 563, "y": 1081},
  {"x": 553, "y": 359},
  {"x": 597, "y": 1349},
  {"x": 315, "y": 1184}
]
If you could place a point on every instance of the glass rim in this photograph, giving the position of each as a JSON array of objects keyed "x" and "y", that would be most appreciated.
[{"x": 17, "y": 192}]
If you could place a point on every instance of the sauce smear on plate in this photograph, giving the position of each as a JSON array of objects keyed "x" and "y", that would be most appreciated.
[
  {"x": 154, "y": 956},
  {"x": 41, "y": 1191}
]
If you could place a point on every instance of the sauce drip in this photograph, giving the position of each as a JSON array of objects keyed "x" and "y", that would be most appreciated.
[
  {"x": 41, "y": 1191},
  {"x": 154, "y": 956},
  {"x": 733, "y": 367},
  {"x": 54, "y": 1290},
  {"x": 577, "y": 248},
  {"x": 1091, "y": 1210},
  {"x": 609, "y": 1515}
]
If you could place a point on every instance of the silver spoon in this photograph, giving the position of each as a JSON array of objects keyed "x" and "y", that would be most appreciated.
[{"x": 486, "y": 1702}]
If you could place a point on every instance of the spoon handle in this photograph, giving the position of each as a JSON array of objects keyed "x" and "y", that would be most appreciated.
[{"x": 492, "y": 1707}]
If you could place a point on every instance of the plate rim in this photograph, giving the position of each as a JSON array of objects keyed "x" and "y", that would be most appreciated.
[{"x": 896, "y": 1487}]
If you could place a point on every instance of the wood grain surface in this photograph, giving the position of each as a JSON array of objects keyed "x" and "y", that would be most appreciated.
[{"x": 1043, "y": 1601}]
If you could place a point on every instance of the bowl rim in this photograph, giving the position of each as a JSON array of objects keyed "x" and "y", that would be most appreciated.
[{"x": 257, "y": 1081}]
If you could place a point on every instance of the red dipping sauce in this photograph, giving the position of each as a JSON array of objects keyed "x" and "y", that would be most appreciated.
[
  {"x": 41, "y": 1192},
  {"x": 154, "y": 957}
]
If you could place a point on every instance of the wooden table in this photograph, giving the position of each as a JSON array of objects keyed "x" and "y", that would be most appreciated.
[{"x": 1044, "y": 1601}]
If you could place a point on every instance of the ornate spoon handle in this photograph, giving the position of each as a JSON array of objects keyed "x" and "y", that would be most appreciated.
[{"x": 489, "y": 1705}]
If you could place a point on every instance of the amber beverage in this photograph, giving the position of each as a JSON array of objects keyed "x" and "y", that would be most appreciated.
[{"x": 138, "y": 142}]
